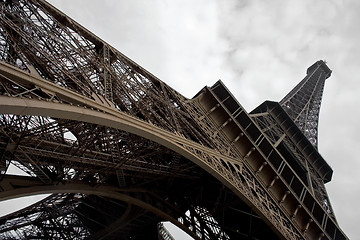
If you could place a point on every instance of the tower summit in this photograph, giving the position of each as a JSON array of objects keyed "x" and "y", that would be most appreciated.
[{"x": 303, "y": 102}]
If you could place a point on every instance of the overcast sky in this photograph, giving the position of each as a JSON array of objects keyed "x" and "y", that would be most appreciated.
[{"x": 260, "y": 50}]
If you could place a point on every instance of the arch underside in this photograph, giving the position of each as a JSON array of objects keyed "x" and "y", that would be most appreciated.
[
  {"x": 75, "y": 109},
  {"x": 107, "y": 180},
  {"x": 58, "y": 135}
]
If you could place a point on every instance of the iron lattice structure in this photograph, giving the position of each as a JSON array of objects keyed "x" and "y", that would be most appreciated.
[
  {"x": 302, "y": 104},
  {"x": 120, "y": 151},
  {"x": 164, "y": 234}
]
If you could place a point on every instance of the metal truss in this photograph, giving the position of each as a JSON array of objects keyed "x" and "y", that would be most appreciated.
[
  {"x": 44, "y": 220},
  {"x": 309, "y": 175},
  {"x": 164, "y": 233},
  {"x": 120, "y": 151},
  {"x": 303, "y": 102}
]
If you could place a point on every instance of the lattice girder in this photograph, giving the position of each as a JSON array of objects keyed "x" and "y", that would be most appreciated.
[
  {"x": 129, "y": 129},
  {"x": 46, "y": 43},
  {"x": 189, "y": 147},
  {"x": 303, "y": 102},
  {"x": 313, "y": 175}
]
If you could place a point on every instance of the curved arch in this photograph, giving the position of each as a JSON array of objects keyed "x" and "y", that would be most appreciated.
[
  {"x": 117, "y": 120},
  {"x": 113, "y": 118},
  {"x": 100, "y": 190},
  {"x": 108, "y": 116}
]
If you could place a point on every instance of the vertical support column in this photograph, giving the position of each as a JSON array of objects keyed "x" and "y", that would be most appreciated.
[{"x": 107, "y": 75}]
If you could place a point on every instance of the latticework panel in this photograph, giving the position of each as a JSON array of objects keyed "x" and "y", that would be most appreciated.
[
  {"x": 36, "y": 37},
  {"x": 303, "y": 102},
  {"x": 97, "y": 156},
  {"x": 63, "y": 149},
  {"x": 164, "y": 234},
  {"x": 90, "y": 125},
  {"x": 309, "y": 175},
  {"x": 45, "y": 220}
]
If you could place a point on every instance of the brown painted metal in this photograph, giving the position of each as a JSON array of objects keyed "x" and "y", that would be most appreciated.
[
  {"x": 121, "y": 151},
  {"x": 303, "y": 102}
]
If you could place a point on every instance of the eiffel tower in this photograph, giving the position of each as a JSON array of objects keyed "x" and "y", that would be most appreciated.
[{"x": 120, "y": 152}]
